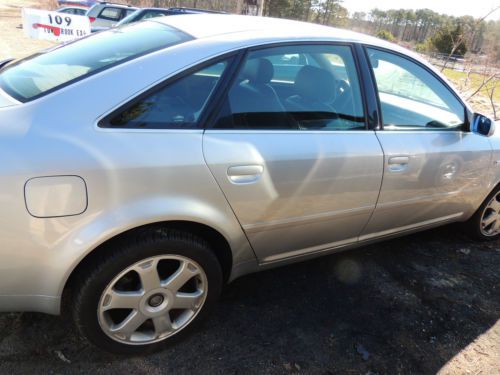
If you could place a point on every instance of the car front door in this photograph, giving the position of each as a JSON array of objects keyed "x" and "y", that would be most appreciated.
[
  {"x": 433, "y": 165},
  {"x": 293, "y": 155}
]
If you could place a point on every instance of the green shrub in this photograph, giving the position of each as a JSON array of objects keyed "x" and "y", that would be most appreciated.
[{"x": 386, "y": 35}]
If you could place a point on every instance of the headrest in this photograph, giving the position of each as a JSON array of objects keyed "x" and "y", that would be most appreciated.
[
  {"x": 258, "y": 71},
  {"x": 315, "y": 84}
]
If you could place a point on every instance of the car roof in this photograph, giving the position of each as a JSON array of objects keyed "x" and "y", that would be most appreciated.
[
  {"x": 114, "y": 5},
  {"x": 253, "y": 31},
  {"x": 179, "y": 10},
  {"x": 73, "y": 7},
  {"x": 249, "y": 31},
  {"x": 151, "y": 8},
  {"x": 205, "y": 25}
]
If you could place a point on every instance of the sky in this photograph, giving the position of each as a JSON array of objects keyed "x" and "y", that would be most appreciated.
[{"x": 475, "y": 8}]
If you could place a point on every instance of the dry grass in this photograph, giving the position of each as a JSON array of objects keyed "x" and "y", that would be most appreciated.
[
  {"x": 468, "y": 85},
  {"x": 47, "y": 4}
]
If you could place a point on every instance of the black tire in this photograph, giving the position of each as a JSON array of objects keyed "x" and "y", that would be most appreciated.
[
  {"x": 473, "y": 225},
  {"x": 118, "y": 257}
]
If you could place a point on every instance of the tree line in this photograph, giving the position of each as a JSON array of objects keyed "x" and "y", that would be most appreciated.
[
  {"x": 428, "y": 30},
  {"x": 422, "y": 29}
]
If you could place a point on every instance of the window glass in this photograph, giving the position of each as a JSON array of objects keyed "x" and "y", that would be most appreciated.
[
  {"x": 31, "y": 77},
  {"x": 411, "y": 98},
  {"x": 113, "y": 14},
  {"x": 310, "y": 87},
  {"x": 152, "y": 14},
  {"x": 175, "y": 106}
]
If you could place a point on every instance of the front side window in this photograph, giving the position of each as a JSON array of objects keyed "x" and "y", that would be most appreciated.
[
  {"x": 411, "y": 98},
  {"x": 297, "y": 87},
  {"x": 42, "y": 73},
  {"x": 175, "y": 106}
]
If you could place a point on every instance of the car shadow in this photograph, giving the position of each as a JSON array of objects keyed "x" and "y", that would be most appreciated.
[{"x": 405, "y": 305}]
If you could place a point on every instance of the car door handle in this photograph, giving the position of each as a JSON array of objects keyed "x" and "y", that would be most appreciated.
[
  {"x": 244, "y": 174},
  {"x": 398, "y": 163}
]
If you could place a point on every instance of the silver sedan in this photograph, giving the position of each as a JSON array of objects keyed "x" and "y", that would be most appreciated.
[{"x": 145, "y": 166}]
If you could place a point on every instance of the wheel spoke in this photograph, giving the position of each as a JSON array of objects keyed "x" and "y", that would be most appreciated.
[
  {"x": 489, "y": 219},
  {"x": 187, "y": 300},
  {"x": 185, "y": 273},
  {"x": 148, "y": 273},
  {"x": 130, "y": 324},
  {"x": 121, "y": 300},
  {"x": 495, "y": 205},
  {"x": 496, "y": 227},
  {"x": 162, "y": 324}
]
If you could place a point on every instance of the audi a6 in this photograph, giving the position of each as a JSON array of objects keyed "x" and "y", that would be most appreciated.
[{"x": 146, "y": 166}]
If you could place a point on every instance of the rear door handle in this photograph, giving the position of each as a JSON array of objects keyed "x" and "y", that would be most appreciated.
[
  {"x": 398, "y": 163},
  {"x": 245, "y": 174}
]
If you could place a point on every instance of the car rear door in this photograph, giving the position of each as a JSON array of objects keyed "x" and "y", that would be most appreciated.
[
  {"x": 302, "y": 172},
  {"x": 433, "y": 166}
]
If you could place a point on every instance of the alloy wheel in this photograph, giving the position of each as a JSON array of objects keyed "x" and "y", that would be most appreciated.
[
  {"x": 490, "y": 219},
  {"x": 152, "y": 300}
]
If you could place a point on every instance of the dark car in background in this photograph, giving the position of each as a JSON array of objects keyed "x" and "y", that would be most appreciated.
[{"x": 146, "y": 13}]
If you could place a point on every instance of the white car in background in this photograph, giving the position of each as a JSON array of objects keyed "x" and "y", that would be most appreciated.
[
  {"x": 75, "y": 10},
  {"x": 105, "y": 15}
]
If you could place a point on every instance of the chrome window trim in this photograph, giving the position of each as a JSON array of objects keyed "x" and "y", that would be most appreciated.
[{"x": 286, "y": 131}]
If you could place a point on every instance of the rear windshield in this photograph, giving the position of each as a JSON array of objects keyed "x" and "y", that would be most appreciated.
[{"x": 40, "y": 74}]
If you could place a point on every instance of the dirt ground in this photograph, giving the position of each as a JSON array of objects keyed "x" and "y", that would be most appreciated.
[
  {"x": 423, "y": 304},
  {"x": 13, "y": 42}
]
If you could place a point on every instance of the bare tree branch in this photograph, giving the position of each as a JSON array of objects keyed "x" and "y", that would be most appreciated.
[
  {"x": 483, "y": 84},
  {"x": 461, "y": 38}
]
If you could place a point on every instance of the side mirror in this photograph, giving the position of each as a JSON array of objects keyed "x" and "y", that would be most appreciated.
[{"x": 482, "y": 125}]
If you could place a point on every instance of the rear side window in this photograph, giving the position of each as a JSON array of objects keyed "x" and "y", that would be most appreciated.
[
  {"x": 177, "y": 105},
  {"x": 40, "y": 74},
  {"x": 112, "y": 14}
]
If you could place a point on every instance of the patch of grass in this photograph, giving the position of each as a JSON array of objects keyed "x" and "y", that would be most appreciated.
[{"x": 475, "y": 80}]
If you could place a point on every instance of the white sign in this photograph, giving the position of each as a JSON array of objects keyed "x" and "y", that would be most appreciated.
[{"x": 54, "y": 26}]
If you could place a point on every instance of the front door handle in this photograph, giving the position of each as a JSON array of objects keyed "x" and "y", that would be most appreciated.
[
  {"x": 245, "y": 174},
  {"x": 398, "y": 163}
]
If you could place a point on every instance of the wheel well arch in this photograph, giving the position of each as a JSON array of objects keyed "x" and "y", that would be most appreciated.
[{"x": 217, "y": 242}]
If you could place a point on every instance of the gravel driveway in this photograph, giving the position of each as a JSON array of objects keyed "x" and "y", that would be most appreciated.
[{"x": 416, "y": 305}]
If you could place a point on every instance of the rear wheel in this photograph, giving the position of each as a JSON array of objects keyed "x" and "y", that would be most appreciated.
[
  {"x": 148, "y": 292},
  {"x": 485, "y": 224}
]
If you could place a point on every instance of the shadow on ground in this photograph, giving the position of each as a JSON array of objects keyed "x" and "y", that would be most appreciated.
[{"x": 404, "y": 306}]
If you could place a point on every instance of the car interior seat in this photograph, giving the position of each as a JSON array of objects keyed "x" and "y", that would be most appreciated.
[{"x": 253, "y": 101}]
